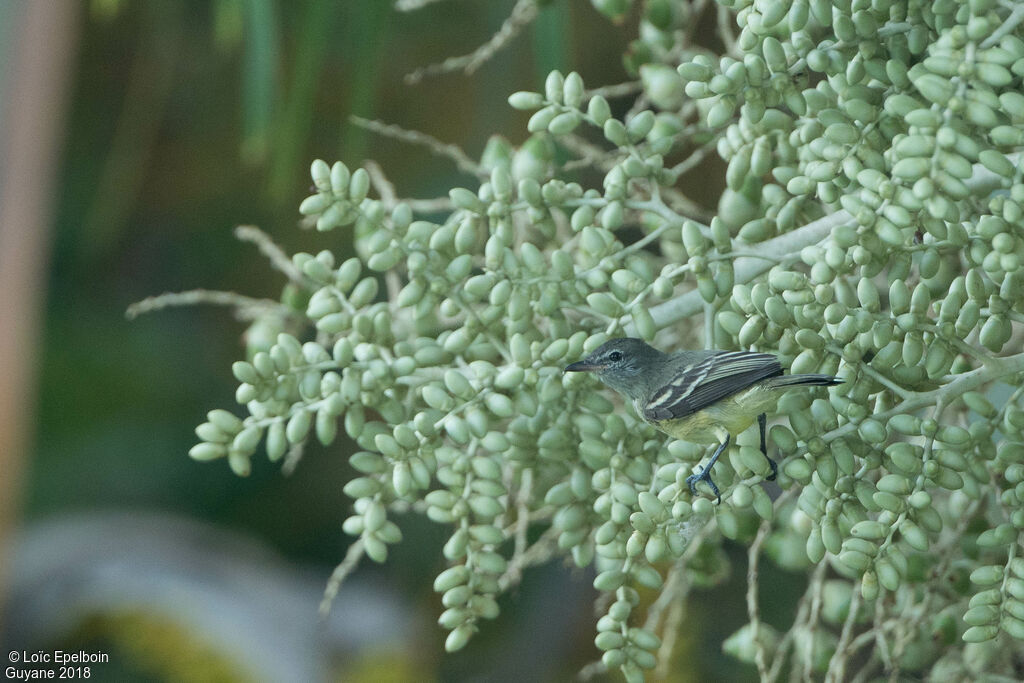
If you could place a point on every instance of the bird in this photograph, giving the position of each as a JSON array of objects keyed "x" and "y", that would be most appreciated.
[{"x": 698, "y": 396}]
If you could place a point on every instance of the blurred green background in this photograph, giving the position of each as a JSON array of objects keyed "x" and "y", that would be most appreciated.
[{"x": 183, "y": 120}]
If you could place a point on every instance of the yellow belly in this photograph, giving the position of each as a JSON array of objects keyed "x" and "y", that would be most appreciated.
[{"x": 729, "y": 416}]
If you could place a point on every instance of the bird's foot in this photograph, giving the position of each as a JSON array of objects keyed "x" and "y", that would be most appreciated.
[
  {"x": 705, "y": 476},
  {"x": 762, "y": 422}
]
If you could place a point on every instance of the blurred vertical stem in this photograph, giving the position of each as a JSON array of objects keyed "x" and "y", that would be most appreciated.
[
  {"x": 259, "y": 91},
  {"x": 365, "y": 28},
  {"x": 138, "y": 124},
  {"x": 38, "y": 41},
  {"x": 319, "y": 21},
  {"x": 552, "y": 39}
]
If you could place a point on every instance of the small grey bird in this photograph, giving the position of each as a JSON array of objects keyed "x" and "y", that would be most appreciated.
[{"x": 697, "y": 396}]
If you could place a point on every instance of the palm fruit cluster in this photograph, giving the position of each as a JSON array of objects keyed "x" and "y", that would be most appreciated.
[{"x": 870, "y": 227}]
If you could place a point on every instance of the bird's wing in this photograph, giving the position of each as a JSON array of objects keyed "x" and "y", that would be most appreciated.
[{"x": 710, "y": 379}]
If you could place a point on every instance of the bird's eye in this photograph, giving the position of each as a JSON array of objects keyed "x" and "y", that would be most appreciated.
[{"x": 615, "y": 356}]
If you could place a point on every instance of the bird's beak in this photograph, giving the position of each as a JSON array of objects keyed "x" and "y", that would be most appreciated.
[{"x": 583, "y": 366}]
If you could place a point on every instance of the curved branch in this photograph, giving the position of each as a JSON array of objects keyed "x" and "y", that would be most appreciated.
[{"x": 982, "y": 182}]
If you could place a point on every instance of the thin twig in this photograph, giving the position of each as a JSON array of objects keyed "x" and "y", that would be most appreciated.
[
  {"x": 275, "y": 254},
  {"x": 385, "y": 188},
  {"x": 413, "y": 137},
  {"x": 340, "y": 573},
  {"x": 666, "y": 598},
  {"x": 753, "y": 609},
  {"x": 246, "y": 307},
  {"x": 725, "y": 30},
  {"x": 1011, "y": 22},
  {"x": 1001, "y": 367},
  {"x": 694, "y": 159},
  {"x": 676, "y": 612},
  {"x": 540, "y": 552},
  {"x": 292, "y": 458},
  {"x": 873, "y": 374},
  {"x": 523, "y": 511},
  {"x": 617, "y": 90},
  {"x": 524, "y": 12},
  {"x": 412, "y": 5},
  {"x": 837, "y": 665},
  {"x": 816, "y": 587},
  {"x": 427, "y": 206}
]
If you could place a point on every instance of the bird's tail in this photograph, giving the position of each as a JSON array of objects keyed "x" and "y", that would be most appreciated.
[{"x": 782, "y": 381}]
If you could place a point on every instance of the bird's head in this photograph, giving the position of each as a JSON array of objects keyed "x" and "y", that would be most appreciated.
[{"x": 624, "y": 364}]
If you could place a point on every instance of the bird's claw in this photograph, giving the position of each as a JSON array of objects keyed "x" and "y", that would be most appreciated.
[
  {"x": 705, "y": 476},
  {"x": 762, "y": 421}
]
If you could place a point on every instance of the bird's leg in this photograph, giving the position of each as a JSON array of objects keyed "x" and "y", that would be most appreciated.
[
  {"x": 705, "y": 474},
  {"x": 762, "y": 420}
]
